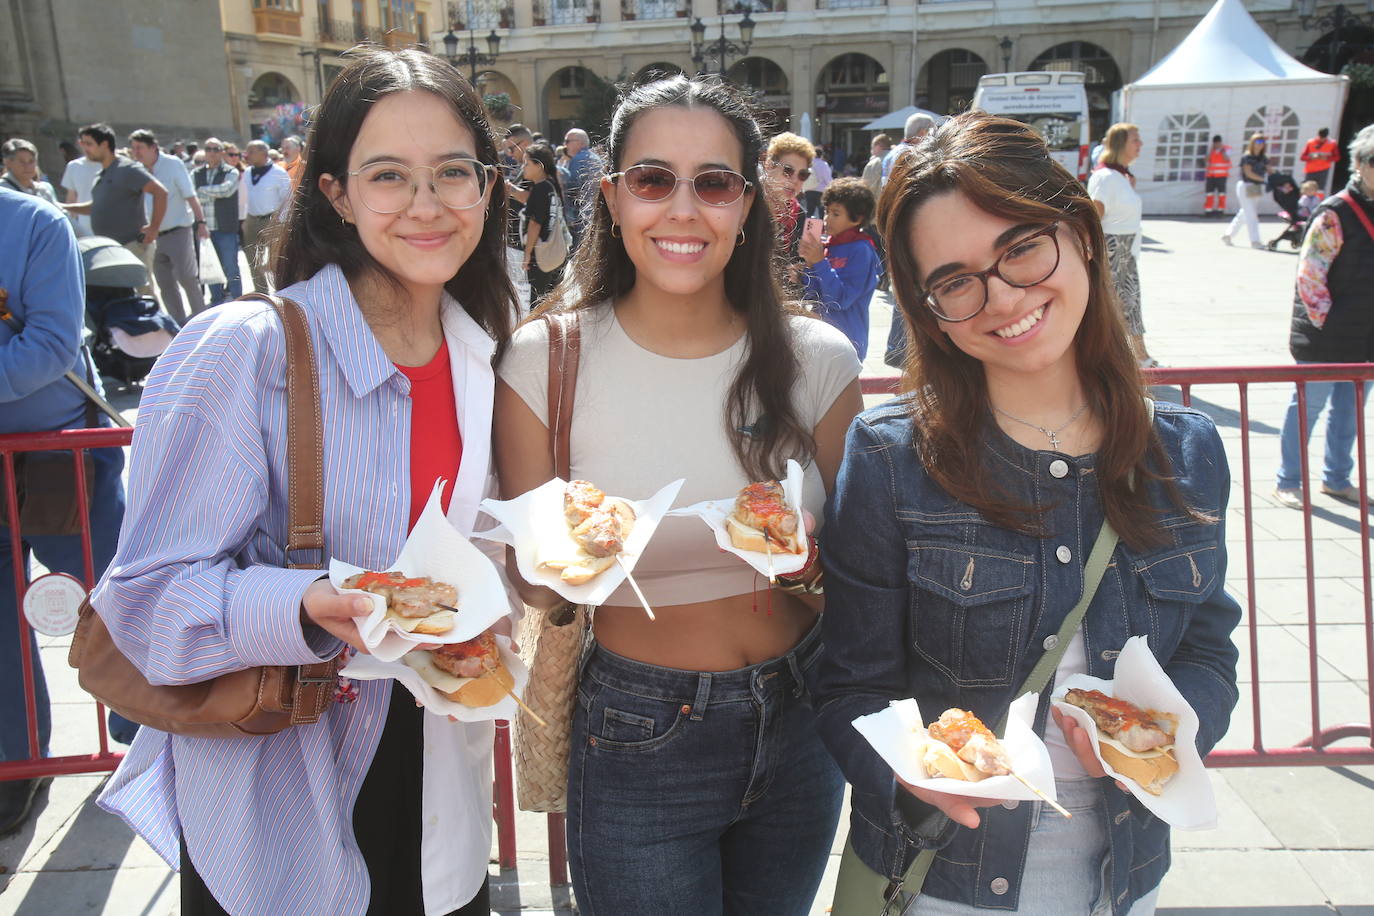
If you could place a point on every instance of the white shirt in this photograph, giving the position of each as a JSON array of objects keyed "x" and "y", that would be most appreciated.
[
  {"x": 1122, "y": 203},
  {"x": 269, "y": 193},
  {"x": 1062, "y": 758},
  {"x": 171, "y": 173},
  {"x": 80, "y": 178}
]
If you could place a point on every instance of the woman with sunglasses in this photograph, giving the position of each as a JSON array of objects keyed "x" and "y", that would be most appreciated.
[
  {"x": 1254, "y": 167},
  {"x": 379, "y": 807},
  {"x": 697, "y": 783},
  {"x": 787, "y": 166},
  {"x": 964, "y": 514}
]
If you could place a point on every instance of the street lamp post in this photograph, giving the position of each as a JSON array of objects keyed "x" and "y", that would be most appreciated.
[
  {"x": 470, "y": 55},
  {"x": 1005, "y": 44},
  {"x": 1335, "y": 22},
  {"x": 720, "y": 48}
]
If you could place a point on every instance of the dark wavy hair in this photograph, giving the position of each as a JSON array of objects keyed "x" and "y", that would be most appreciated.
[
  {"x": 1004, "y": 168},
  {"x": 542, "y": 153},
  {"x": 314, "y": 236},
  {"x": 601, "y": 270}
]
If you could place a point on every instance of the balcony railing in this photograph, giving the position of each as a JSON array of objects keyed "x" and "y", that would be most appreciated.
[
  {"x": 277, "y": 22},
  {"x": 481, "y": 15},
  {"x": 726, "y": 7},
  {"x": 848, "y": 4},
  {"x": 653, "y": 9},
  {"x": 567, "y": 12},
  {"x": 341, "y": 31}
]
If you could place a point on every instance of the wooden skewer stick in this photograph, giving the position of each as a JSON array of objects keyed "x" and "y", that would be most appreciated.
[
  {"x": 1051, "y": 802},
  {"x": 635, "y": 585},
  {"x": 768, "y": 549},
  {"x": 491, "y": 666}
]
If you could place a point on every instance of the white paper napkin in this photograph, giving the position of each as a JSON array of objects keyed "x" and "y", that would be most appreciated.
[
  {"x": 714, "y": 512},
  {"x": 370, "y": 668},
  {"x": 1186, "y": 801},
  {"x": 534, "y": 525},
  {"x": 899, "y": 735},
  {"x": 434, "y": 549}
]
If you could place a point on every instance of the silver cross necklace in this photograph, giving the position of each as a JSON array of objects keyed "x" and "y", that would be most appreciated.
[{"x": 1051, "y": 434}]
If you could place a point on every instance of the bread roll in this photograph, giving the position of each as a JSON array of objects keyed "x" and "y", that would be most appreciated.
[
  {"x": 939, "y": 759},
  {"x": 1150, "y": 769},
  {"x": 487, "y": 690}
]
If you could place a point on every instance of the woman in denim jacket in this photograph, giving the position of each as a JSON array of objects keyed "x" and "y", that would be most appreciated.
[{"x": 964, "y": 512}]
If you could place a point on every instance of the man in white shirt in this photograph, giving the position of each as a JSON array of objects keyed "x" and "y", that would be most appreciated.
[
  {"x": 269, "y": 188},
  {"x": 176, "y": 264},
  {"x": 78, "y": 180},
  {"x": 917, "y": 126}
]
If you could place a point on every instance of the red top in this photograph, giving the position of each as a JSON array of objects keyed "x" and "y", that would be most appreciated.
[{"x": 436, "y": 446}]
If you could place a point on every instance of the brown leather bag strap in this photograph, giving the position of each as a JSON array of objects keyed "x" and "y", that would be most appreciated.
[
  {"x": 305, "y": 447},
  {"x": 312, "y": 688},
  {"x": 565, "y": 348}
]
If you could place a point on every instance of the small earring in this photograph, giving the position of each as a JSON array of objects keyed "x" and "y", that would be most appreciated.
[
  {"x": 741, "y": 239},
  {"x": 615, "y": 230}
]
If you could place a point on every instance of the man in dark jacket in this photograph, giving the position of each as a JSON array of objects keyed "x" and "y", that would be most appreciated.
[{"x": 1333, "y": 322}]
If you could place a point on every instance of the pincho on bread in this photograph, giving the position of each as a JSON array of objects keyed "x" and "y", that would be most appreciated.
[
  {"x": 599, "y": 525},
  {"x": 1137, "y": 743},
  {"x": 415, "y": 604},
  {"x": 962, "y": 747},
  {"x": 763, "y": 521},
  {"x": 450, "y": 669}
]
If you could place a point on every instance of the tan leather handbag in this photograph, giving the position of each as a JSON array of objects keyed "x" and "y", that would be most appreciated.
[
  {"x": 551, "y": 642},
  {"x": 255, "y": 701}
]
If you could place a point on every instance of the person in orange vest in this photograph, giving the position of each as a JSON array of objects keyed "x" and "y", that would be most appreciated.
[
  {"x": 1218, "y": 168},
  {"x": 1320, "y": 154}
]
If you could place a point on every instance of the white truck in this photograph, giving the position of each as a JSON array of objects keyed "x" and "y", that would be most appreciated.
[{"x": 1054, "y": 103}]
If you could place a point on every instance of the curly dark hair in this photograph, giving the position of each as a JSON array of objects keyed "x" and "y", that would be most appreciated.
[{"x": 853, "y": 195}]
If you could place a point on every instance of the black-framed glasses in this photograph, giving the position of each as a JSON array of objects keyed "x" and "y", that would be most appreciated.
[
  {"x": 1028, "y": 261},
  {"x": 654, "y": 183},
  {"x": 389, "y": 187},
  {"x": 789, "y": 171}
]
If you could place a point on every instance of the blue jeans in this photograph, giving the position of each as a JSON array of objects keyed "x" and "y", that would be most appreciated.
[
  {"x": 699, "y": 793},
  {"x": 1340, "y": 434},
  {"x": 227, "y": 247},
  {"x": 59, "y": 553}
]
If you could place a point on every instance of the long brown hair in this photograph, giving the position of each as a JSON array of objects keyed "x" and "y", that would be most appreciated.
[
  {"x": 1004, "y": 168},
  {"x": 602, "y": 270},
  {"x": 314, "y": 236}
]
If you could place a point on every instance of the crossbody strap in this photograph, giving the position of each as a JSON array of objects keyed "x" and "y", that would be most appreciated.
[
  {"x": 1359, "y": 212},
  {"x": 565, "y": 349}
]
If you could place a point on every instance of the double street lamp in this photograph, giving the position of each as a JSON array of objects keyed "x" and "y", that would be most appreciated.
[
  {"x": 1337, "y": 21},
  {"x": 721, "y": 49},
  {"x": 470, "y": 55}
]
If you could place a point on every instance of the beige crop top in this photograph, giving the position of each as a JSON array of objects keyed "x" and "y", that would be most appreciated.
[{"x": 641, "y": 420}]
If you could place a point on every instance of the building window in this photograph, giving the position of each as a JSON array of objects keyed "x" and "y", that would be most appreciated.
[
  {"x": 481, "y": 15},
  {"x": 422, "y": 28},
  {"x": 847, "y": 4},
  {"x": 855, "y": 71},
  {"x": 1279, "y": 124},
  {"x": 322, "y": 10},
  {"x": 287, "y": 6},
  {"x": 1181, "y": 149},
  {"x": 572, "y": 81}
]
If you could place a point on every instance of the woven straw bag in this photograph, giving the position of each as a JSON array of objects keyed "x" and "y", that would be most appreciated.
[{"x": 551, "y": 643}]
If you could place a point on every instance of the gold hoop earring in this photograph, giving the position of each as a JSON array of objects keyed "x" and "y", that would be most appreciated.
[
  {"x": 615, "y": 230},
  {"x": 742, "y": 239}
]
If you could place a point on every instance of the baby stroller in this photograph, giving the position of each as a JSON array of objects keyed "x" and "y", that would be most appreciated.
[
  {"x": 128, "y": 331},
  {"x": 1285, "y": 193}
]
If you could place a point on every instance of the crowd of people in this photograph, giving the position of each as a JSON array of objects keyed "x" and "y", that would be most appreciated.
[{"x": 720, "y": 329}]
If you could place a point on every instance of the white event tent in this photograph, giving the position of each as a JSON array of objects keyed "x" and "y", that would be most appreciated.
[{"x": 1227, "y": 77}]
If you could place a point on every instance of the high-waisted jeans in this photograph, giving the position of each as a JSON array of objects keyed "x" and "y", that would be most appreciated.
[{"x": 696, "y": 793}]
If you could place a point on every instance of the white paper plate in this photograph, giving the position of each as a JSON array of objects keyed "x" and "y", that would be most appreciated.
[
  {"x": 1187, "y": 801},
  {"x": 534, "y": 525},
  {"x": 369, "y": 668},
  {"x": 714, "y": 512},
  {"x": 434, "y": 549},
  {"x": 899, "y": 735}
]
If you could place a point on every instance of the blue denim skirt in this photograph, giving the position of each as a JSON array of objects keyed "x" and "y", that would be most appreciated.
[{"x": 699, "y": 792}]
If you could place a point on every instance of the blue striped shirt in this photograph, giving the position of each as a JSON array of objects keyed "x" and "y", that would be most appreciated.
[{"x": 197, "y": 589}]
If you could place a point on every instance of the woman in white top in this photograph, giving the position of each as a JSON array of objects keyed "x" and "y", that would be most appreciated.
[
  {"x": 697, "y": 783},
  {"x": 1112, "y": 189}
]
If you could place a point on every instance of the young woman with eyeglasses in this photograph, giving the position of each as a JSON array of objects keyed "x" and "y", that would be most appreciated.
[
  {"x": 395, "y": 251},
  {"x": 964, "y": 514},
  {"x": 697, "y": 783}
]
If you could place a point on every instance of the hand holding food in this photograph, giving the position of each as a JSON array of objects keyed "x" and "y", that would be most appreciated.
[
  {"x": 470, "y": 673},
  {"x": 962, "y": 747},
  {"x": 763, "y": 521},
  {"x": 1137, "y": 743},
  {"x": 599, "y": 525},
  {"x": 415, "y": 604},
  {"x": 336, "y": 614}
]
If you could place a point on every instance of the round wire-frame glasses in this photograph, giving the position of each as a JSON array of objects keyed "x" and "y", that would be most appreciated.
[{"x": 389, "y": 187}]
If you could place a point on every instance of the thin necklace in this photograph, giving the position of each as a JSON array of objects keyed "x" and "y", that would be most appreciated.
[{"x": 1051, "y": 434}]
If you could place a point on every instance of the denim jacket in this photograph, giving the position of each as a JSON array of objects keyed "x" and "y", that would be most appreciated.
[{"x": 925, "y": 598}]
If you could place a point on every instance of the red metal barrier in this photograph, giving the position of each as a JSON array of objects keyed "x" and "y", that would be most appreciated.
[{"x": 1318, "y": 748}]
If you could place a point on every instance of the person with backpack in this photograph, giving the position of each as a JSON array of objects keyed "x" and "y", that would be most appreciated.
[{"x": 545, "y": 232}]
